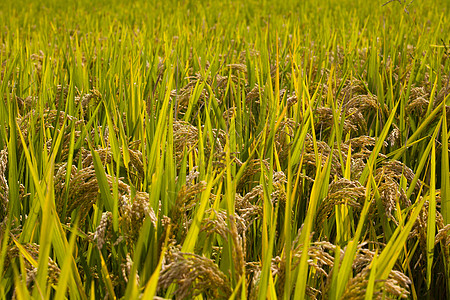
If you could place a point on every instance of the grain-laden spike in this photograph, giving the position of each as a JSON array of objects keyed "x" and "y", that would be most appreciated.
[
  {"x": 238, "y": 67},
  {"x": 324, "y": 150},
  {"x": 4, "y": 188},
  {"x": 341, "y": 191},
  {"x": 253, "y": 167},
  {"x": 50, "y": 119},
  {"x": 389, "y": 175},
  {"x": 394, "y": 137},
  {"x": 397, "y": 284},
  {"x": 364, "y": 103},
  {"x": 82, "y": 189},
  {"x": 286, "y": 129},
  {"x": 418, "y": 106},
  {"x": 354, "y": 121},
  {"x": 442, "y": 235},
  {"x": 185, "y": 138},
  {"x": 217, "y": 225},
  {"x": 227, "y": 227},
  {"x": 126, "y": 268},
  {"x": 186, "y": 201},
  {"x": 254, "y": 94},
  {"x": 194, "y": 275},
  {"x": 33, "y": 250},
  {"x": 133, "y": 213},
  {"x": 352, "y": 89},
  {"x": 104, "y": 229}
]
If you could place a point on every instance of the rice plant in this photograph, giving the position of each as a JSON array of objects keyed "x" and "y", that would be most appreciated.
[{"x": 224, "y": 149}]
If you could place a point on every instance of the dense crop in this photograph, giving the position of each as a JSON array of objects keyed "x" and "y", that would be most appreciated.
[{"x": 224, "y": 149}]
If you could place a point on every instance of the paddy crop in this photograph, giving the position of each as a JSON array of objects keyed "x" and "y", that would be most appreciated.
[{"x": 224, "y": 149}]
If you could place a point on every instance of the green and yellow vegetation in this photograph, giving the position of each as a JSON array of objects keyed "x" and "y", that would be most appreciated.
[{"x": 224, "y": 149}]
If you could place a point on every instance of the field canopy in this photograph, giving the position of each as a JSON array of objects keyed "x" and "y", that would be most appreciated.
[{"x": 224, "y": 149}]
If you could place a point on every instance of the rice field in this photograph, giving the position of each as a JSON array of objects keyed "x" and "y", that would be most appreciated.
[{"x": 227, "y": 149}]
